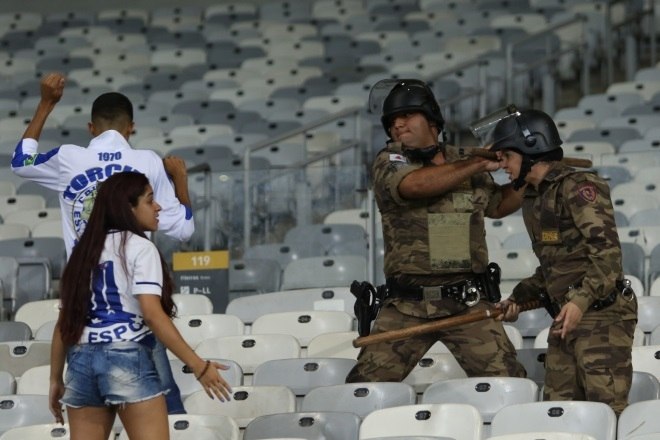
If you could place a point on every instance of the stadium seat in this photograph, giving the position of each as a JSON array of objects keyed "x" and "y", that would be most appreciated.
[
  {"x": 581, "y": 417},
  {"x": 336, "y": 345},
  {"x": 7, "y": 383},
  {"x": 247, "y": 403},
  {"x": 432, "y": 368},
  {"x": 359, "y": 398},
  {"x": 187, "y": 304},
  {"x": 423, "y": 419},
  {"x": 487, "y": 394},
  {"x": 249, "y": 351},
  {"x": 14, "y": 331},
  {"x": 645, "y": 386},
  {"x": 23, "y": 410},
  {"x": 638, "y": 419},
  {"x": 304, "y": 374},
  {"x": 328, "y": 271},
  {"x": 188, "y": 384},
  {"x": 304, "y": 325},
  {"x": 195, "y": 328},
  {"x": 308, "y": 425},
  {"x": 199, "y": 427}
]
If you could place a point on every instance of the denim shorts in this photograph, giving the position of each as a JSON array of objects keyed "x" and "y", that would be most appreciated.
[{"x": 110, "y": 374}]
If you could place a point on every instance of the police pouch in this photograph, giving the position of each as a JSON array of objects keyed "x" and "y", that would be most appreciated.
[{"x": 368, "y": 300}]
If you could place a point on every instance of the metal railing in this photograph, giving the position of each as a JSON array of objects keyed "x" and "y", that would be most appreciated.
[
  {"x": 479, "y": 91},
  {"x": 247, "y": 184},
  {"x": 633, "y": 21}
]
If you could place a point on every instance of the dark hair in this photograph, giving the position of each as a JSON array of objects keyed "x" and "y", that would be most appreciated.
[
  {"x": 111, "y": 211},
  {"x": 112, "y": 107}
]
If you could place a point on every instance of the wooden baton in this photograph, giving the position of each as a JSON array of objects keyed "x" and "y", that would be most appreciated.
[
  {"x": 570, "y": 161},
  {"x": 441, "y": 324}
]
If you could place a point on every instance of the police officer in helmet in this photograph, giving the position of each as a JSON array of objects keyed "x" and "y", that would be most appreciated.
[
  {"x": 433, "y": 201},
  {"x": 570, "y": 220}
]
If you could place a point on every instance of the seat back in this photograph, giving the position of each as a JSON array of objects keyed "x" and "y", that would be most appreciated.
[
  {"x": 41, "y": 431},
  {"x": 305, "y": 326},
  {"x": 14, "y": 331},
  {"x": 645, "y": 386},
  {"x": 195, "y": 328},
  {"x": 254, "y": 276},
  {"x": 37, "y": 313},
  {"x": 304, "y": 425},
  {"x": 359, "y": 398},
  {"x": 639, "y": 418},
  {"x": 303, "y": 374},
  {"x": 7, "y": 383},
  {"x": 18, "y": 357},
  {"x": 22, "y": 410},
  {"x": 336, "y": 345},
  {"x": 434, "y": 367},
  {"x": 424, "y": 419},
  {"x": 188, "y": 384},
  {"x": 246, "y": 403},
  {"x": 192, "y": 304},
  {"x": 324, "y": 271},
  {"x": 249, "y": 351},
  {"x": 592, "y": 418},
  {"x": 647, "y": 358},
  {"x": 199, "y": 427},
  {"x": 249, "y": 308},
  {"x": 487, "y": 394}
]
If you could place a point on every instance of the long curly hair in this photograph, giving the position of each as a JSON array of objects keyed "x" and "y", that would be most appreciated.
[{"x": 111, "y": 211}]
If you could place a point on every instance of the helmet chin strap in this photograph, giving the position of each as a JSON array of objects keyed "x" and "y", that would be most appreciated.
[
  {"x": 525, "y": 168},
  {"x": 424, "y": 155}
]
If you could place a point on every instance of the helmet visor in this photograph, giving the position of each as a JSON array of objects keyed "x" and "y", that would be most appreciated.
[
  {"x": 483, "y": 129},
  {"x": 382, "y": 89}
]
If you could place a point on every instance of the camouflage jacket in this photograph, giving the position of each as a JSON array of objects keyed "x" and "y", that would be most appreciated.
[
  {"x": 570, "y": 220},
  {"x": 437, "y": 236}
]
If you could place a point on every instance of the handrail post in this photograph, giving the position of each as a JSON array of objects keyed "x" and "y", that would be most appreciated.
[
  {"x": 207, "y": 212},
  {"x": 608, "y": 43},
  {"x": 652, "y": 33},
  {"x": 509, "y": 72},
  {"x": 246, "y": 200}
]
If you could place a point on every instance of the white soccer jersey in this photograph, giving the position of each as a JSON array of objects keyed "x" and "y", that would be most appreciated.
[
  {"x": 74, "y": 172},
  {"x": 114, "y": 311}
]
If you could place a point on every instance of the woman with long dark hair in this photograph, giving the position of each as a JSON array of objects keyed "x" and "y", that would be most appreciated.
[{"x": 116, "y": 296}]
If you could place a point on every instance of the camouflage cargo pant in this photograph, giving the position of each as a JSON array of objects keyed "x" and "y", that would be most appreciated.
[
  {"x": 481, "y": 348},
  {"x": 594, "y": 363}
]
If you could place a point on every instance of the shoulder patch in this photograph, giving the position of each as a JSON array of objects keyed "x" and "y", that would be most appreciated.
[
  {"x": 587, "y": 191},
  {"x": 398, "y": 158}
]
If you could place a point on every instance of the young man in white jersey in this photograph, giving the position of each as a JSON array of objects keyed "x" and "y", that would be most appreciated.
[{"x": 74, "y": 171}]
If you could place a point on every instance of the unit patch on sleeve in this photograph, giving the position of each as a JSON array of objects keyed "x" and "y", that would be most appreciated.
[{"x": 588, "y": 191}]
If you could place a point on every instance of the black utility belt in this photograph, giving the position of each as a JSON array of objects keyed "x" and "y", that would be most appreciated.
[
  {"x": 467, "y": 292},
  {"x": 622, "y": 288},
  {"x": 600, "y": 304}
]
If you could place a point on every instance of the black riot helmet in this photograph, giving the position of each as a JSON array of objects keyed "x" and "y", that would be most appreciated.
[
  {"x": 411, "y": 95},
  {"x": 530, "y": 132}
]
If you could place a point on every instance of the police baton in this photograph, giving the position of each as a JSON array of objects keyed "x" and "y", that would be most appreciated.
[
  {"x": 442, "y": 324},
  {"x": 570, "y": 161}
]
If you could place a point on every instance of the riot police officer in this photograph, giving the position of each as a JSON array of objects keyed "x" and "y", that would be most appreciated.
[
  {"x": 433, "y": 202},
  {"x": 570, "y": 219}
]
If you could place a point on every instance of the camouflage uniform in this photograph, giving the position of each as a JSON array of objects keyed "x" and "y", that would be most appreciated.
[
  {"x": 430, "y": 242},
  {"x": 570, "y": 220}
]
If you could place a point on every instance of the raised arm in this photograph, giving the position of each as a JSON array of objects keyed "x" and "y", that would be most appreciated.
[
  {"x": 441, "y": 177},
  {"x": 52, "y": 87}
]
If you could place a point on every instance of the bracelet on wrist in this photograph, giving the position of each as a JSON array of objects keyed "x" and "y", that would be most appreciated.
[{"x": 206, "y": 367}]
